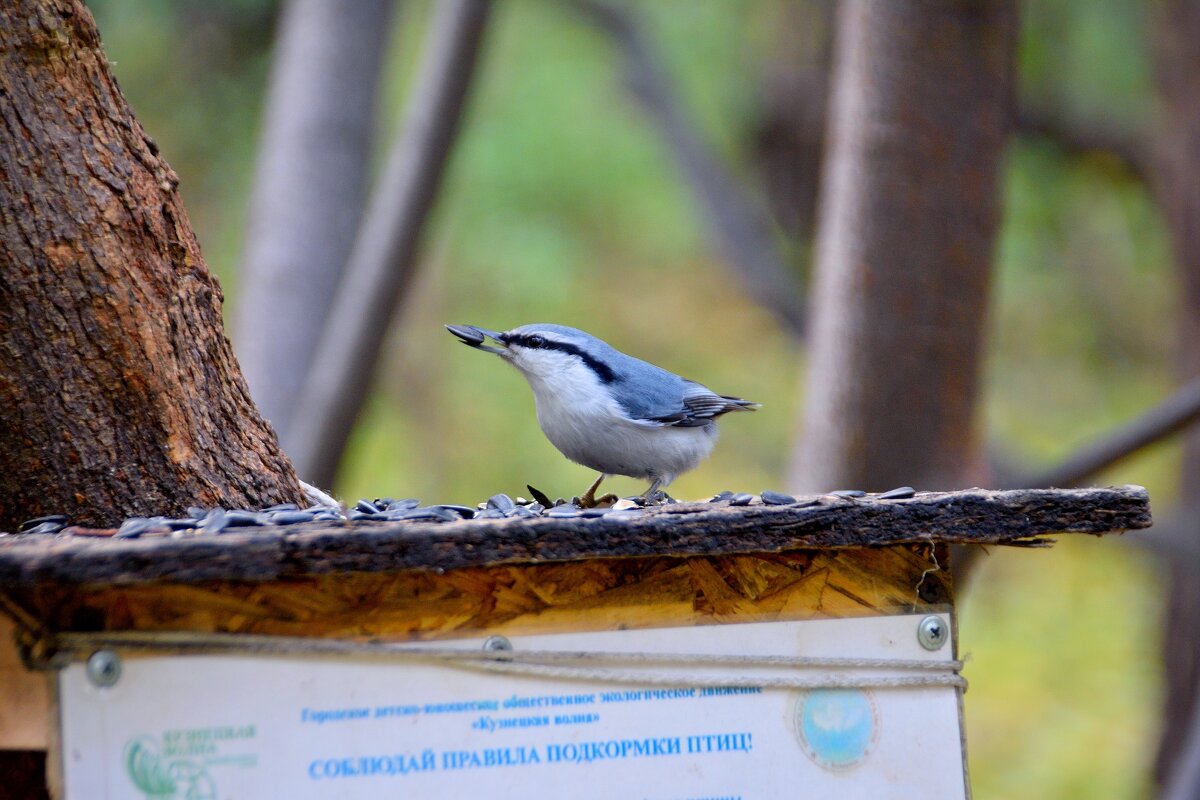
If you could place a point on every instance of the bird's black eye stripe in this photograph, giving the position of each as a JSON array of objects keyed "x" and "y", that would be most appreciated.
[{"x": 536, "y": 342}]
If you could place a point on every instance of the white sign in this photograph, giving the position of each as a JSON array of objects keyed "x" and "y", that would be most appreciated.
[{"x": 257, "y": 726}]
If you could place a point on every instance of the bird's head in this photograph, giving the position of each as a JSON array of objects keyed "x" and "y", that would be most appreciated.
[{"x": 543, "y": 351}]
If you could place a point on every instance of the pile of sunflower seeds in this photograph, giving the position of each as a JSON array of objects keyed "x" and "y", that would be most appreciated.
[{"x": 500, "y": 506}]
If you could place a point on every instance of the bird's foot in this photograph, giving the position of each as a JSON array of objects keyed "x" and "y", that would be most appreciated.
[
  {"x": 656, "y": 498},
  {"x": 589, "y": 500}
]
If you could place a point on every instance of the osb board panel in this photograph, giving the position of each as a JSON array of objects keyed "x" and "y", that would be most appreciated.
[
  {"x": 24, "y": 697},
  {"x": 599, "y": 594}
]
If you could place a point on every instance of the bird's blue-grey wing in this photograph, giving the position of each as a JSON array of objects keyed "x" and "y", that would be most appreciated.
[{"x": 697, "y": 405}]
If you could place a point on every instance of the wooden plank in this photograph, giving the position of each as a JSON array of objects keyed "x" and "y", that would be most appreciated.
[
  {"x": 24, "y": 699},
  {"x": 601, "y": 594},
  {"x": 1025, "y": 517}
]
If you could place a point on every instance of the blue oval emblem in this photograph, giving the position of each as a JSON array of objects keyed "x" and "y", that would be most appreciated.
[{"x": 837, "y": 726}]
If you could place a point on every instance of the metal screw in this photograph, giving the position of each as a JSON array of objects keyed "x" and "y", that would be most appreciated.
[
  {"x": 932, "y": 632},
  {"x": 496, "y": 643},
  {"x": 104, "y": 668}
]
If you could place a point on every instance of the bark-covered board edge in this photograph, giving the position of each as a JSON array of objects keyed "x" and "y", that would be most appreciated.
[{"x": 975, "y": 516}]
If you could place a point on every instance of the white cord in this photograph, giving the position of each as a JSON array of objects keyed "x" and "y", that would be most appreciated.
[{"x": 549, "y": 663}]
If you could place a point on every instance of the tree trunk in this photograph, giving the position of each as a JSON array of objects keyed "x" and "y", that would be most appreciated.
[
  {"x": 119, "y": 393},
  {"x": 908, "y": 216},
  {"x": 1175, "y": 172},
  {"x": 309, "y": 189}
]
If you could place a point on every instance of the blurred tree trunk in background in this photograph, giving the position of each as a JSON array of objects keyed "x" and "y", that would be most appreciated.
[
  {"x": 383, "y": 260},
  {"x": 119, "y": 393},
  {"x": 309, "y": 190},
  {"x": 918, "y": 122},
  {"x": 790, "y": 139},
  {"x": 1175, "y": 178},
  {"x": 733, "y": 217}
]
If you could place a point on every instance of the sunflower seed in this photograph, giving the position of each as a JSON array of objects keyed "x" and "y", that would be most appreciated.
[
  {"x": 462, "y": 511},
  {"x": 45, "y": 527},
  {"x": 430, "y": 514},
  {"x": 133, "y": 527},
  {"x": 290, "y": 517},
  {"x": 539, "y": 496},
  {"x": 776, "y": 498},
  {"x": 468, "y": 334},
  {"x": 565, "y": 510},
  {"x": 241, "y": 518},
  {"x": 742, "y": 499},
  {"x": 60, "y": 519},
  {"x": 848, "y": 493},
  {"x": 214, "y": 521},
  {"x": 501, "y": 502},
  {"x": 899, "y": 493}
]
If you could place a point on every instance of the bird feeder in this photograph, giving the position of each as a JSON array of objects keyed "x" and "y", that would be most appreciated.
[{"x": 686, "y": 650}]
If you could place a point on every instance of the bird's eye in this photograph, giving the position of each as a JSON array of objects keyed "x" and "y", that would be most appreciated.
[{"x": 535, "y": 341}]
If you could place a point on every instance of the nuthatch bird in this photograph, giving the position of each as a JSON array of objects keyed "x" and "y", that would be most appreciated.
[{"x": 608, "y": 411}]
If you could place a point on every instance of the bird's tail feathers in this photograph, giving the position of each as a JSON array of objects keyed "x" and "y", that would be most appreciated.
[{"x": 738, "y": 404}]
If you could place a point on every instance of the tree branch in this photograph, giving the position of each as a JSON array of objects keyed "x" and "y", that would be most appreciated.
[
  {"x": 382, "y": 263},
  {"x": 738, "y": 225},
  {"x": 1080, "y": 139},
  {"x": 1173, "y": 539},
  {"x": 1174, "y": 414}
]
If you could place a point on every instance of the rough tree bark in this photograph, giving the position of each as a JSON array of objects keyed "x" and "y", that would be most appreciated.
[
  {"x": 1174, "y": 170},
  {"x": 119, "y": 393},
  {"x": 309, "y": 189},
  {"x": 918, "y": 123}
]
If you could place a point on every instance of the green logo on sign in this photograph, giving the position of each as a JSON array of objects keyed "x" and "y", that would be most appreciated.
[
  {"x": 158, "y": 777},
  {"x": 180, "y": 764}
]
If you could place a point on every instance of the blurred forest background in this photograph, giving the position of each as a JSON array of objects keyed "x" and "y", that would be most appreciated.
[{"x": 563, "y": 203}]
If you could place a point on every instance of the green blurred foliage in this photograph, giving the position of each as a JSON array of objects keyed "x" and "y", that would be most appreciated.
[{"x": 562, "y": 205}]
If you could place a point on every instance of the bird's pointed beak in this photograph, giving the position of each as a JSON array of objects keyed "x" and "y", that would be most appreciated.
[{"x": 475, "y": 337}]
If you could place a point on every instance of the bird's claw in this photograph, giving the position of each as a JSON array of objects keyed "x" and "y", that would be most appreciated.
[
  {"x": 591, "y": 501},
  {"x": 657, "y": 498}
]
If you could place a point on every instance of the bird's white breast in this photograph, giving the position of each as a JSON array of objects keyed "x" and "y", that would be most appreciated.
[{"x": 588, "y": 426}]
